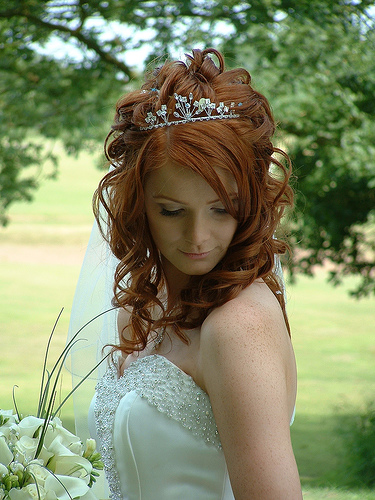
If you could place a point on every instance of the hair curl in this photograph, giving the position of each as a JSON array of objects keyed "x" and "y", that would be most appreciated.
[{"x": 240, "y": 145}]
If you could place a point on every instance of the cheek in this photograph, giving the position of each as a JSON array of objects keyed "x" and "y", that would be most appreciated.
[
  {"x": 162, "y": 232},
  {"x": 229, "y": 232}
]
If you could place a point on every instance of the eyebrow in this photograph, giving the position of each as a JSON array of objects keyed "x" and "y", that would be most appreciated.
[{"x": 234, "y": 196}]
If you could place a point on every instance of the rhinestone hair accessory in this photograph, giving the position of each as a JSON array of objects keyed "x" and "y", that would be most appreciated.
[{"x": 187, "y": 110}]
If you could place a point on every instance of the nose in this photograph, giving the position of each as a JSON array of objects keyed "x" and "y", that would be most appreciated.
[{"x": 197, "y": 231}]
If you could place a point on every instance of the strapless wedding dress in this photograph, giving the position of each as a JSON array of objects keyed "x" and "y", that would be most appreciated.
[{"x": 157, "y": 435}]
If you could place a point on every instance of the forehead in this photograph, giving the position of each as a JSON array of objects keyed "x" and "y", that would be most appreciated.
[{"x": 182, "y": 180}]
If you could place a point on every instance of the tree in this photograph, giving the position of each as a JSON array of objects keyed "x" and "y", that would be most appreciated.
[
  {"x": 314, "y": 59},
  {"x": 320, "y": 71}
]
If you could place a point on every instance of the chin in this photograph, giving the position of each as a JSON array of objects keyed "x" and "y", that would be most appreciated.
[{"x": 198, "y": 270}]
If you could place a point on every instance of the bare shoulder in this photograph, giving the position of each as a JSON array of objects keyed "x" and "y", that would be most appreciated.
[
  {"x": 247, "y": 339},
  {"x": 254, "y": 310}
]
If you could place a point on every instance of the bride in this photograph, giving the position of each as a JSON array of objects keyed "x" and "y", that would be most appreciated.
[{"x": 197, "y": 400}]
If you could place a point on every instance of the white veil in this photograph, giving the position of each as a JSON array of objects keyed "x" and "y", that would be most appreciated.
[{"x": 93, "y": 325}]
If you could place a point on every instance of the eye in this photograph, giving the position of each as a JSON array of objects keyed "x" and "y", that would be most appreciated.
[
  {"x": 220, "y": 211},
  {"x": 170, "y": 213}
]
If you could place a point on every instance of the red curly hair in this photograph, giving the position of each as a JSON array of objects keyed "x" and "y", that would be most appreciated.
[{"x": 240, "y": 145}]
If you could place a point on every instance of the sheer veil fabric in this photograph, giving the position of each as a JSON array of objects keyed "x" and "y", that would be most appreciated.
[{"x": 92, "y": 297}]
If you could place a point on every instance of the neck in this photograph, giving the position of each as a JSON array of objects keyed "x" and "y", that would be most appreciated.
[{"x": 175, "y": 282}]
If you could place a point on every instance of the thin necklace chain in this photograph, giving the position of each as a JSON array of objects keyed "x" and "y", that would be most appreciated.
[{"x": 160, "y": 337}]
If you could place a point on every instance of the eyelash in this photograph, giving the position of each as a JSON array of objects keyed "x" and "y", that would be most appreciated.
[
  {"x": 170, "y": 213},
  {"x": 175, "y": 213},
  {"x": 220, "y": 211}
]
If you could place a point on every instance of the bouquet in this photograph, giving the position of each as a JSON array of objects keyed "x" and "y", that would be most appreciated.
[
  {"x": 39, "y": 458},
  {"x": 58, "y": 468}
]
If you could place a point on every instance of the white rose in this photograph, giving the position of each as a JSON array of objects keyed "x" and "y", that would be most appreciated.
[
  {"x": 33, "y": 492},
  {"x": 37, "y": 469},
  {"x": 13, "y": 434},
  {"x": 16, "y": 467},
  {"x": 26, "y": 448},
  {"x": 76, "y": 487},
  {"x": 28, "y": 492},
  {"x": 6, "y": 456}
]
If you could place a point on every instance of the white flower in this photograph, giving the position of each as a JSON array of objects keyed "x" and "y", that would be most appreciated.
[
  {"x": 13, "y": 434},
  {"x": 29, "y": 425},
  {"x": 67, "y": 463},
  {"x": 76, "y": 448},
  {"x": 51, "y": 495},
  {"x": 76, "y": 487},
  {"x": 26, "y": 448},
  {"x": 29, "y": 492},
  {"x": 39, "y": 472},
  {"x": 15, "y": 494},
  {"x": 45, "y": 455},
  {"x": 8, "y": 419},
  {"x": 9, "y": 416},
  {"x": 6, "y": 456},
  {"x": 16, "y": 467},
  {"x": 3, "y": 472},
  {"x": 55, "y": 429},
  {"x": 90, "y": 447},
  {"x": 33, "y": 492}
]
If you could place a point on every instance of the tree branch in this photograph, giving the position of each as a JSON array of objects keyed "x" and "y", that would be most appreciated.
[{"x": 74, "y": 33}]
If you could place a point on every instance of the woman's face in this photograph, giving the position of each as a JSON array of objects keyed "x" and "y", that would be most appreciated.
[{"x": 187, "y": 220}]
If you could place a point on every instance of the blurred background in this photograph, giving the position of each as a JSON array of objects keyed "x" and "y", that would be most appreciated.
[{"x": 63, "y": 65}]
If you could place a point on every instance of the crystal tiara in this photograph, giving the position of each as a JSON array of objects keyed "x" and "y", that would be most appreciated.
[{"x": 188, "y": 111}]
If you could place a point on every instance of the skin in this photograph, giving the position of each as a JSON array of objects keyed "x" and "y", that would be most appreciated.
[
  {"x": 241, "y": 355},
  {"x": 188, "y": 222}
]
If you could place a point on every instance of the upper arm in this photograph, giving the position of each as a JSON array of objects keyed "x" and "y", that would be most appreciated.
[{"x": 249, "y": 373}]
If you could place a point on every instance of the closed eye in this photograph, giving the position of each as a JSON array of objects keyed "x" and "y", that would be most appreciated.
[
  {"x": 221, "y": 211},
  {"x": 170, "y": 213}
]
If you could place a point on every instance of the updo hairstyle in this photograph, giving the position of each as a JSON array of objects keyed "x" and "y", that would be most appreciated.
[{"x": 240, "y": 145}]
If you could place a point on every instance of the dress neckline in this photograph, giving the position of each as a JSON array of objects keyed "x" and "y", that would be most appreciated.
[{"x": 162, "y": 359}]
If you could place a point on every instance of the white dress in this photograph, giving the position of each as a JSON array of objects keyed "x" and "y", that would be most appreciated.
[{"x": 157, "y": 435}]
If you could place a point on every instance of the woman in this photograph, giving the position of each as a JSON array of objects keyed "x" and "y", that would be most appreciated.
[{"x": 198, "y": 401}]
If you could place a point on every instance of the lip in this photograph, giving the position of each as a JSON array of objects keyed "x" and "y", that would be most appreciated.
[{"x": 196, "y": 256}]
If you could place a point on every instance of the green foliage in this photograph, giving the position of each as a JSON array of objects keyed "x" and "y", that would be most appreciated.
[
  {"x": 312, "y": 58},
  {"x": 359, "y": 433},
  {"x": 319, "y": 71}
]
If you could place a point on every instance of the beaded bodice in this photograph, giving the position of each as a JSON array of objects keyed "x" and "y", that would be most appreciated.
[{"x": 166, "y": 388}]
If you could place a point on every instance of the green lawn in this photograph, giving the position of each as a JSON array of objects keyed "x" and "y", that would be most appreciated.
[{"x": 333, "y": 335}]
